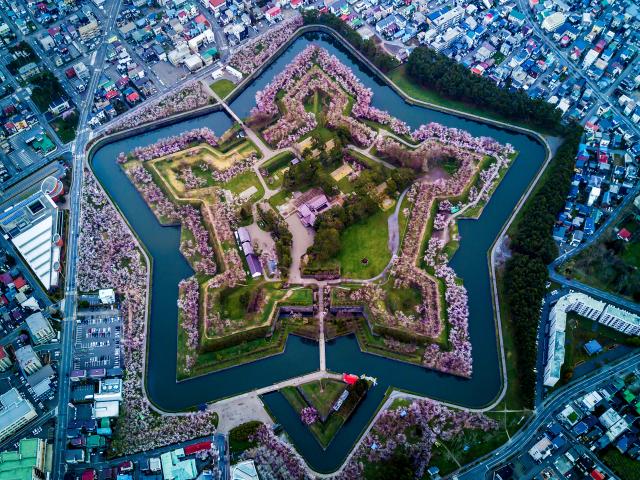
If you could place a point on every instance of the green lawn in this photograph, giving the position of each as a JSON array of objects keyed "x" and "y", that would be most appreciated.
[
  {"x": 277, "y": 162},
  {"x": 242, "y": 182},
  {"x": 323, "y": 394},
  {"x": 232, "y": 303},
  {"x": 65, "y": 129},
  {"x": 279, "y": 198},
  {"x": 631, "y": 253},
  {"x": 300, "y": 296},
  {"x": 368, "y": 239},
  {"x": 402, "y": 299},
  {"x": 624, "y": 466},
  {"x": 223, "y": 87}
]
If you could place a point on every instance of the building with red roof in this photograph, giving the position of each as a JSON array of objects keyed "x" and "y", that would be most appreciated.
[
  {"x": 217, "y": 5},
  {"x": 624, "y": 234},
  {"x": 349, "y": 378},
  {"x": 197, "y": 447},
  {"x": 19, "y": 283},
  {"x": 272, "y": 13}
]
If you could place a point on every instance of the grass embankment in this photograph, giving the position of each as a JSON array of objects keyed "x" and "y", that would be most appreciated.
[
  {"x": 223, "y": 87},
  {"x": 275, "y": 169}
]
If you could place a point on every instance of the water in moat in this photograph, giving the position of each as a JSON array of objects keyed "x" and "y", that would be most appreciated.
[{"x": 343, "y": 355}]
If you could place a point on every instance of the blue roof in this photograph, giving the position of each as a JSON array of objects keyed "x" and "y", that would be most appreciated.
[
  {"x": 580, "y": 428},
  {"x": 559, "y": 442},
  {"x": 592, "y": 347}
]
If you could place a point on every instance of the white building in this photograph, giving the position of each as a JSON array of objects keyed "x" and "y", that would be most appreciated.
[
  {"x": 35, "y": 227},
  {"x": 621, "y": 320},
  {"x": 28, "y": 360},
  {"x": 107, "y": 296},
  {"x": 15, "y": 413},
  {"x": 554, "y": 21},
  {"x": 40, "y": 328},
  {"x": 588, "y": 307},
  {"x": 110, "y": 389},
  {"x": 583, "y": 305}
]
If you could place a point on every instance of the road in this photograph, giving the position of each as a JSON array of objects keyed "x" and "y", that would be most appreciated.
[
  {"x": 545, "y": 414},
  {"x": 78, "y": 151}
]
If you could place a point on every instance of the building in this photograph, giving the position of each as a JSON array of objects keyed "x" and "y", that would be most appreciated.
[
  {"x": 554, "y": 21},
  {"x": 34, "y": 226},
  {"x": 253, "y": 262},
  {"x": 110, "y": 389},
  {"x": 28, "y": 360},
  {"x": 40, "y": 381},
  {"x": 244, "y": 471},
  {"x": 621, "y": 320},
  {"x": 5, "y": 361},
  {"x": 173, "y": 467},
  {"x": 579, "y": 303},
  {"x": 107, "y": 296},
  {"x": 216, "y": 5},
  {"x": 15, "y": 413},
  {"x": 89, "y": 30},
  {"x": 26, "y": 463},
  {"x": 311, "y": 208},
  {"x": 40, "y": 328}
]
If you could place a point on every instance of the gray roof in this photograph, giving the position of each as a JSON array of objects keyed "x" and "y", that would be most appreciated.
[
  {"x": 43, "y": 373},
  {"x": 254, "y": 265}
]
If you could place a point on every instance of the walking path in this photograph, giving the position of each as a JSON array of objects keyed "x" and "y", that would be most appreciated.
[{"x": 323, "y": 357}]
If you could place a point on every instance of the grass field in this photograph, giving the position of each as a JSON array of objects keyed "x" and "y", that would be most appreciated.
[
  {"x": 402, "y": 299},
  {"x": 65, "y": 128},
  {"x": 323, "y": 394},
  {"x": 300, "y": 296},
  {"x": 231, "y": 303},
  {"x": 624, "y": 466},
  {"x": 368, "y": 239},
  {"x": 223, "y": 87}
]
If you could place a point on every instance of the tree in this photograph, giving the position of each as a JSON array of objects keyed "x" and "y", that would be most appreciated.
[
  {"x": 533, "y": 248},
  {"x": 326, "y": 244},
  {"x": 451, "y": 79}
]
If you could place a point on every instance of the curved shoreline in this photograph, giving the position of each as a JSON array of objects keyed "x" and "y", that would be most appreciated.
[{"x": 104, "y": 140}]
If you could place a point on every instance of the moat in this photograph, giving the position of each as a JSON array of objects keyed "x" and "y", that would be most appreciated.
[{"x": 343, "y": 354}]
